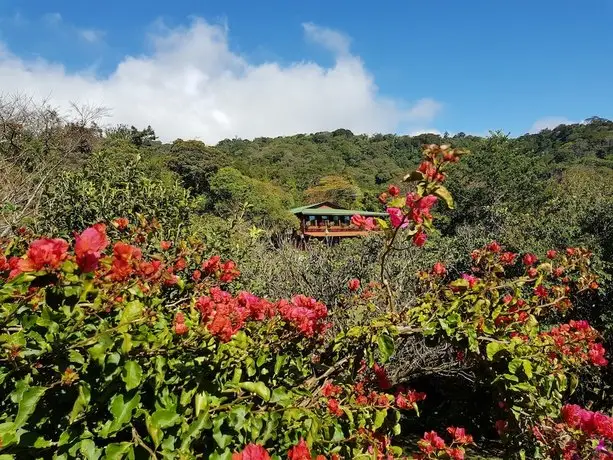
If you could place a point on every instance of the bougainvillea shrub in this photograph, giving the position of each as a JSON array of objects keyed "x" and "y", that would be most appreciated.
[{"x": 119, "y": 343}]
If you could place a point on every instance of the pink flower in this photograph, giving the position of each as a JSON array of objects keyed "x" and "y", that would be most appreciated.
[
  {"x": 89, "y": 246},
  {"x": 366, "y": 223},
  {"x": 551, "y": 254},
  {"x": 397, "y": 218},
  {"x": 472, "y": 280},
  {"x": 252, "y": 452}
]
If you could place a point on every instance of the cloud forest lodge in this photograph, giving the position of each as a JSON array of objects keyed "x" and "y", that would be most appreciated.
[{"x": 329, "y": 222}]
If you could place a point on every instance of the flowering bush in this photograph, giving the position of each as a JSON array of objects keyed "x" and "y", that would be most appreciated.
[{"x": 121, "y": 343}]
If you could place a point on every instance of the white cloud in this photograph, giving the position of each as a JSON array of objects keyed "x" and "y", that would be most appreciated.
[
  {"x": 91, "y": 35},
  {"x": 332, "y": 40},
  {"x": 193, "y": 86},
  {"x": 549, "y": 123}
]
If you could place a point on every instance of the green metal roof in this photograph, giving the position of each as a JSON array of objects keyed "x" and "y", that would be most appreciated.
[
  {"x": 339, "y": 212},
  {"x": 316, "y": 209}
]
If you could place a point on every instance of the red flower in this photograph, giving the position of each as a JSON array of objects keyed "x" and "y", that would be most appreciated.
[
  {"x": 121, "y": 223},
  {"x": 299, "y": 452},
  {"x": 529, "y": 259},
  {"x": 196, "y": 275},
  {"x": 354, "y": 284},
  {"x": 455, "y": 453},
  {"x": 4, "y": 264},
  {"x": 439, "y": 269},
  {"x": 541, "y": 291},
  {"x": 124, "y": 257},
  {"x": 397, "y": 218},
  {"x": 334, "y": 407},
  {"x": 165, "y": 245},
  {"x": 431, "y": 440},
  {"x": 150, "y": 270},
  {"x": 532, "y": 272},
  {"x": 381, "y": 375},
  {"x": 419, "y": 239},
  {"x": 306, "y": 314},
  {"x": 393, "y": 190},
  {"x": 459, "y": 435},
  {"x": 42, "y": 254},
  {"x": 551, "y": 254},
  {"x": 180, "y": 327},
  {"x": 252, "y": 452},
  {"x": 180, "y": 264},
  {"x": 507, "y": 258},
  {"x": 329, "y": 390},
  {"x": 428, "y": 170},
  {"x": 211, "y": 265},
  {"x": 89, "y": 246},
  {"x": 494, "y": 247}
]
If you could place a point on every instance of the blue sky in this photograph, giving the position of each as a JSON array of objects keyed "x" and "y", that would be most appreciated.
[{"x": 215, "y": 69}]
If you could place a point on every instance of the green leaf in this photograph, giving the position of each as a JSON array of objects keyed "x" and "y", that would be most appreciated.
[
  {"x": 222, "y": 440},
  {"x": 573, "y": 383},
  {"x": 444, "y": 195},
  {"x": 259, "y": 388},
  {"x": 132, "y": 375},
  {"x": 117, "y": 450},
  {"x": 527, "y": 365},
  {"x": 201, "y": 423},
  {"x": 514, "y": 365},
  {"x": 380, "y": 418},
  {"x": 122, "y": 411},
  {"x": 201, "y": 402},
  {"x": 131, "y": 312},
  {"x": 154, "y": 431},
  {"x": 75, "y": 357},
  {"x": 165, "y": 418},
  {"x": 89, "y": 450},
  {"x": 386, "y": 346},
  {"x": 492, "y": 349},
  {"x": 81, "y": 402},
  {"x": 27, "y": 405}
]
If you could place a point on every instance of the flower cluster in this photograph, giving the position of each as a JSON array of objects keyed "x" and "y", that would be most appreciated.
[
  {"x": 414, "y": 209},
  {"x": 575, "y": 342},
  {"x": 580, "y": 433},
  {"x": 43, "y": 254},
  {"x": 300, "y": 451},
  {"x": 225, "y": 314},
  {"x": 224, "y": 272},
  {"x": 433, "y": 446}
]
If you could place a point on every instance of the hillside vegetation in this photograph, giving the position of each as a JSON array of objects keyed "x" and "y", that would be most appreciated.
[{"x": 152, "y": 304}]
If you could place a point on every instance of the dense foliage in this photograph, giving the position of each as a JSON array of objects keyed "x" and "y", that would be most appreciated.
[
  {"x": 498, "y": 341},
  {"x": 141, "y": 348}
]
